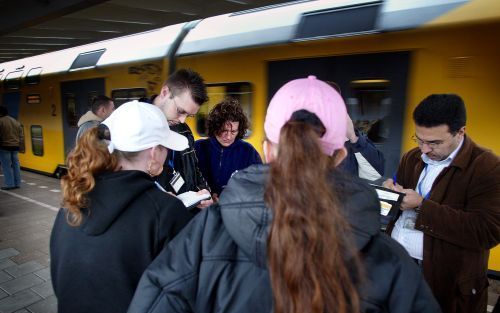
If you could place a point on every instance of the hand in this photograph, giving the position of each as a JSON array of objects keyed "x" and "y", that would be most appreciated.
[
  {"x": 411, "y": 200},
  {"x": 389, "y": 184},
  {"x": 215, "y": 197},
  {"x": 350, "y": 133},
  {"x": 205, "y": 203}
]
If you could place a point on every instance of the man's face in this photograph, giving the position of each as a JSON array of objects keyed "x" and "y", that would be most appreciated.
[
  {"x": 227, "y": 134},
  {"x": 177, "y": 108},
  {"x": 437, "y": 142},
  {"x": 108, "y": 109}
]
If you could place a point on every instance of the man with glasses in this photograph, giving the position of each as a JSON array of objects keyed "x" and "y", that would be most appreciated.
[
  {"x": 450, "y": 216},
  {"x": 181, "y": 97},
  {"x": 225, "y": 152}
]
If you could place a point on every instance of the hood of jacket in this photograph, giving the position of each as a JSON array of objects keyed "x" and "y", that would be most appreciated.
[
  {"x": 248, "y": 220},
  {"x": 111, "y": 196},
  {"x": 87, "y": 117}
]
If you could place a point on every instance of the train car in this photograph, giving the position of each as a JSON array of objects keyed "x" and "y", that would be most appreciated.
[{"x": 385, "y": 56}]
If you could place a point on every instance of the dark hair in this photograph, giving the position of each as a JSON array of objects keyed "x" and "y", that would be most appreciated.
[
  {"x": 98, "y": 102},
  {"x": 89, "y": 158},
  {"x": 309, "y": 239},
  {"x": 229, "y": 110},
  {"x": 183, "y": 79},
  {"x": 439, "y": 109},
  {"x": 3, "y": 111}
]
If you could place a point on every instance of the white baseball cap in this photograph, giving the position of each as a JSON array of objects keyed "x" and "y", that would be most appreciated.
[{"x": 137, "y": 126}]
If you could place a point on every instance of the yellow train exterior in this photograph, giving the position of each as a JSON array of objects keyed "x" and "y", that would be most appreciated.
[{"x": 457, "y": 52}]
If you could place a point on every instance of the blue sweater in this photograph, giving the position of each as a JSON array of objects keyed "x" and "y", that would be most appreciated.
[{"x": 218, "y": 163}]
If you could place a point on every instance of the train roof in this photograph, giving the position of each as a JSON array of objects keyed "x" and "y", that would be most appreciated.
[{"x": 302, "y": 20}]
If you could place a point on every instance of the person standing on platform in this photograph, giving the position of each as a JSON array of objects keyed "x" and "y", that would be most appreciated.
[
  {"x": 225, "y": 152},
  {"x": 101, "y": 108},
  {"x": 115, "y": 218},
  {"x": 450, "y": 216},
  {"x": 10, "y": 138},
  {"x": 181, "y": 97}
]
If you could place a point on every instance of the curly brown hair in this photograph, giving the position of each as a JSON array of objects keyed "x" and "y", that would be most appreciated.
[
  {"x": 229, "y": 110},
  {"x": 89, "y": 158}
]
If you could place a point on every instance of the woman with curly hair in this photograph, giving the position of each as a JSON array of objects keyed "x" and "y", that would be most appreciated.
[
  {"x": 114, "y": 220},
  {"x": 224, "y": 152}
]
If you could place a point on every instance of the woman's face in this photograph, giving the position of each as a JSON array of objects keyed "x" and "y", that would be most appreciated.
[{"x": 227, "y": 135}]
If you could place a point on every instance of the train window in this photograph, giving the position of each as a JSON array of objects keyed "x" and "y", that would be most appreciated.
[
  {"x": 217, "y": 92},
  {"x": 120, "y": 96},
  {"x": 86, "y": 60},
  {"x": 37, "y": 140},
  {"x": 13, "y": 80},
  {"x": 33, "y": 76},
  {"x": 368, "y": 106},
  {"x": 22, "y": 143}
]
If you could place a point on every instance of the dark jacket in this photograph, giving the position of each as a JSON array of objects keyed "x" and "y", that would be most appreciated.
[
  {"x": 96, "y": 266},
  {"x": 184, "y": 162},
  {"x": 367, "y": 150},
  {"x": 10, "y": 133},
  {"x": 460, "y": 222},
  {"x": 218, "y": 163},
  {"x": 219, "y": 264}
]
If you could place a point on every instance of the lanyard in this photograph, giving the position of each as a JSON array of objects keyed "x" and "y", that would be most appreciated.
[
  {"x": 171, "y": 161},
  {"x": 419, "y": 186}
]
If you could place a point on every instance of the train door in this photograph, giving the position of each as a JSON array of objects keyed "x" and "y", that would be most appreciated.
[
  {"x": 76, "y": 99},
  {"x": 11, "y": 101},
  {"x": 373, "y": 87}
]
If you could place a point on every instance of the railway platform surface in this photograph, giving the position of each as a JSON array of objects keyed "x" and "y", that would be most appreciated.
[{"x": 26, "y": 218}]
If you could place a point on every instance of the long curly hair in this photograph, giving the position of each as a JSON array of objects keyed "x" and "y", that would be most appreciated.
[
  {"x": 229, "y": 110},
  {"x": 309, "y": 237},
  {"x": 89, "y": 158}
]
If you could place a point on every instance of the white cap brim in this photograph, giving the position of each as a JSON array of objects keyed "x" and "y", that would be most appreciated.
[{"x": 176, "y": 142}]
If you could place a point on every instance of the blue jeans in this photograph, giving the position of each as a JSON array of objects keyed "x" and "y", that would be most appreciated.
[{"x": 10, "y": 167}]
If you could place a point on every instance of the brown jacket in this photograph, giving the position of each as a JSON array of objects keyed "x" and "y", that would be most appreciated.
[
  {"x": 460, "y": 222},
  {"x": 10, "y": 133}
]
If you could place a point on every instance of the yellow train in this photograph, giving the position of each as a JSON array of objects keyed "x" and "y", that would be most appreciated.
[{"x": 384, "y": 60}]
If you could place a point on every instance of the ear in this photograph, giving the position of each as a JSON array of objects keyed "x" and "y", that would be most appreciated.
[
  {"x": 165, "y": 91},
  {"x": 461, "y": 131},
  {"x": 339, "y": 156},
  {"x": 270, "y": 151}
]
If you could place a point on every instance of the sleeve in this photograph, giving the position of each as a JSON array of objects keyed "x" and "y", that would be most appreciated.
[
  {"x": 477, "y": 224},
  {"x": 256, "y": 157},
  {"x": 365, "y": 148},
  {"x": 201, "y": 148},
  {"x": 169, "y": 284},
  {"x": 173, "y": 218},
  {"x": 200, "y": 181}
]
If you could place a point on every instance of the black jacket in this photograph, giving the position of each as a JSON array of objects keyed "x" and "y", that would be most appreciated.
[
  {"x": 185, "y": 163},
  {"x": 218, "y": 263},
  {"x": 96, "y": 267}
]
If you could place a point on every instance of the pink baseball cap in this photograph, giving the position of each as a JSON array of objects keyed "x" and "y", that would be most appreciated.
[{"x": 315, "y": 96}]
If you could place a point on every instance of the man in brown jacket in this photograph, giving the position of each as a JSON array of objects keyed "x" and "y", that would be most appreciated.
[
  {"x": 450, "y": 216},
  {"x": 10, "y": 136}
]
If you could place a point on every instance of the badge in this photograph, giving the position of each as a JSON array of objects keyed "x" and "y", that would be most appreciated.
[{"x": 177, "y": 181}]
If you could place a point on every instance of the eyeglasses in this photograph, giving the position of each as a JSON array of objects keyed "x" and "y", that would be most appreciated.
[
  {"x": 431, "y": 144},
  {"x": 180, "y": 111}
]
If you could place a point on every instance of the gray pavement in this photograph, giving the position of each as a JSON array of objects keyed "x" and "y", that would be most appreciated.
[{"x": 26, "y": 218}]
